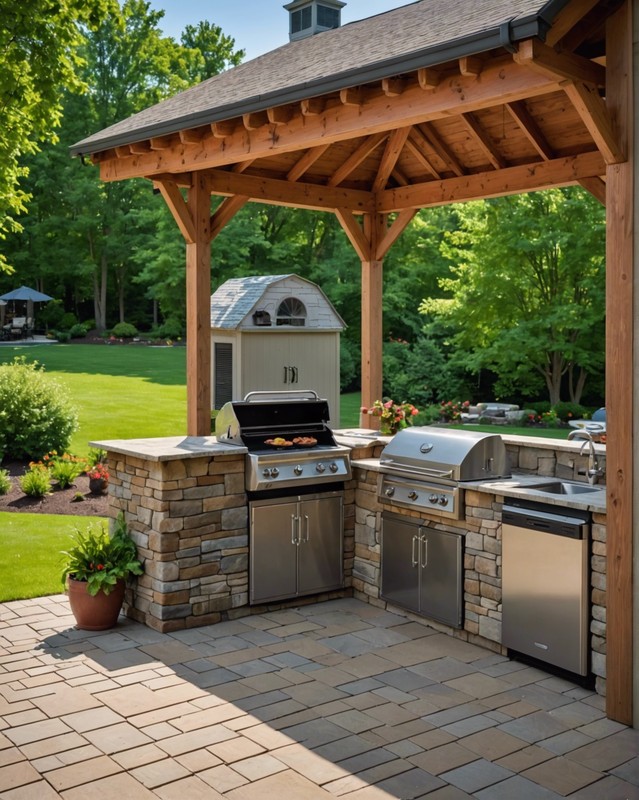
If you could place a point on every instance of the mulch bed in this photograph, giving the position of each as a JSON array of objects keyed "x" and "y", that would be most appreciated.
[{"x": 60, "y": 501}]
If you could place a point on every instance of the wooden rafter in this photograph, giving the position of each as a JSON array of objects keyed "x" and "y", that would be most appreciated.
[
  {"x": 566, "y": 66},
  {"x": 502, "y": 81},
  {"x": 356, "y": 158},
  {"x": 392, "y": 152},
  {"x": 442, "y": 149},
  {"x": 418, "y": 146},
  {"x": 481, "y": 137},
  {"x": 512, "y": 180},
  {"x": 225, "y": 212},
  {"x": 296, "y": 195},
  {"x": 530, "y": 129},
  {"x": 567, "y": 18},
  {"x": 596, "y": 187},
  {"x": 306, "y": 162},
  {"x": 593, "y": 112}
]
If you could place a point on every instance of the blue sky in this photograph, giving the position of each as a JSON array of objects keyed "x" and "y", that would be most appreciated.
[{"x": 256, "y": 25}]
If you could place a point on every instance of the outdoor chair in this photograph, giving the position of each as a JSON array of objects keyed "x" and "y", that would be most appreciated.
[{"x": 18, "y": 325}]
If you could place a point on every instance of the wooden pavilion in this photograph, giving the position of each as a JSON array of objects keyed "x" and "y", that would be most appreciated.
[{"x": 435, "y": 102}]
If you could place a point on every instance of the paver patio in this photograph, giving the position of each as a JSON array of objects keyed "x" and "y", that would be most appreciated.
[{"x": 338, "y": 699}]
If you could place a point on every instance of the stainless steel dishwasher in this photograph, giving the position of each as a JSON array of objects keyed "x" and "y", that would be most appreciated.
[{"x": 545, "y": 553}]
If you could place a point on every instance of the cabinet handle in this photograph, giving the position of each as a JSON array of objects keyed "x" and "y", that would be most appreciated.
[
  {"x": 424, "y": 539},
  {"x": 415, "y": 559},
  {"x": 285, "y": 374},
  {"x": 294, "y": 375},
  {"x": 308, "y": 529},
  {"x": 294, "y": 536}
]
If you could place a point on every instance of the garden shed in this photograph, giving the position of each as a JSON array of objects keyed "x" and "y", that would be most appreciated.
[
  {"x": 274, "y": 333},
  {"x": 435, "y": 102}
]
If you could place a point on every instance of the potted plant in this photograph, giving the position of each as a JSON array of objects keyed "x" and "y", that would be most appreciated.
[
  {"x": 98, "y": 477},
  {"x": 95, "y": 570},
  {"x": 393, "y": 416}
]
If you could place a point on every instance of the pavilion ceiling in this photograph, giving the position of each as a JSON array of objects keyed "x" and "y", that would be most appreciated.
[{"x": 482, "y": 126}]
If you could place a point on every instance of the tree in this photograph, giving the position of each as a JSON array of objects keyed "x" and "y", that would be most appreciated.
[
  {"x": 39, "y": 42},
  {"x": 526, "y": 296}
]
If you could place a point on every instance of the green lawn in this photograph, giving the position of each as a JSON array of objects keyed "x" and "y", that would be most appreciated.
[{"x": 30, "y": 560}]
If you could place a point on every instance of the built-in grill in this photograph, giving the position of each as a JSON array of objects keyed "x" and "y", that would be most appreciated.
[
  {"x": 289, "y": 442},
  {"x": 426, "y": 468}
]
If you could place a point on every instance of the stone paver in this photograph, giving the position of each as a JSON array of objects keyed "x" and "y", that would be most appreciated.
[{"x": 334, "y": 700}]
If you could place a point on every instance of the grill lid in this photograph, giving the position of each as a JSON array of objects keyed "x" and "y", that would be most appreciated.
[{"x": 454, "y": 455}]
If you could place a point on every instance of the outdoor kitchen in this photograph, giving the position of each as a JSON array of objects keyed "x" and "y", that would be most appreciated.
[{"x": 278, "y": 510}]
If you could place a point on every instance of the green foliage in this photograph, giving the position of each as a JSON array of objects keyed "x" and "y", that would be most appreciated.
[
  {"x": 172, "y": 328},
  {"x": 78, "y": 331},
  {"x": 65, "y": 468},
  {"x": 5, "y": 481},
  {"x": 102, "y": 560},
  {"x": 68, "y": 321},
  {"x": 124, "y": 330},
  {"x": 95, "y": 456},
  {"x": 539, "y": 407},
  {"x": 36, "y": 481},
  {"x": 36, "y": 414},
  {"x": 567, "y": 411},
  {"x": 62, "y": 336}
]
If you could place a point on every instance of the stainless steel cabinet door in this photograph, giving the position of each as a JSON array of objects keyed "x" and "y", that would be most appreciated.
[
  {"x": 320, "y": 560},
  {"x": 441, "y": 565},
  {"x": 273, "y": 552},
  {"x": 400, "y": 563}
]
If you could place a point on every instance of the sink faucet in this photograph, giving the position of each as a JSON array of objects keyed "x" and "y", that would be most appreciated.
[{"x": 594, "y": 471}]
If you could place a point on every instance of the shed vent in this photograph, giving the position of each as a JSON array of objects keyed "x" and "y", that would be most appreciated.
[
  {"x": 223, "y": 380},
  {"x": 308, "y": 17}
]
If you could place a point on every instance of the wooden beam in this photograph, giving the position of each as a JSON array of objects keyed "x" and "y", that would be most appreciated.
[
  {"x": 502, "y": 81},
  {"x": 621, "y": 375},
  {"x": 139, "y": 148},
  {"x": 596, "y": 187},
  {"x": 313, "y": 106},
  {"x": 178, "y": 208},
  {"x": 198, "y": 312},
  {"x": 594, "y": 114},
  {"x": 441, "y": 148},
  {"x": 401, "y": 221},
  {"x": 567, "y": 18},
  {"x": 428, "y": 79},
  {"x": 393, "y": 87},
  {"x": 223, "y": 129},
  {"x": 372, "y": 293},
  {"x": 285, "y": 193},
  {"x": 512, "y": 180},
  {"x": 471, "y": 65},
  {"x": 519, "y": 112},
  {"x": 225, "y": 212},
  {"x": 356, "y": 158},
  {"x": 161, "y": 142},
  {"x": 255, "y": 120},
  {"x": 123, "y": 151},
  {"x": 355, "y": 233},
  {"x": 280, "y": 115},
  {"x": 353, "y": 96},
  {"x": 242, "y": 166},
  {"x": 192, "y": 135},
  {"x": 394, "y": 147},
  {"x": 481, "y": 138},
  {"x": 306, "y": 162},
  {"x": 399, "y": 177},
  {"x": 567, "y": 66},
  {"x": 417, "y": 145}
]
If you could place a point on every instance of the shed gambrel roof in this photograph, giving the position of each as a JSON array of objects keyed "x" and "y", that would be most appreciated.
[
  {"x": 235, "y": 299},
  {"x": 420, "y": 34}
]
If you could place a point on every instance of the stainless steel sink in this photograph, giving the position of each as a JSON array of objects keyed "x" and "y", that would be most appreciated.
[{"x": 563, "y": 487}]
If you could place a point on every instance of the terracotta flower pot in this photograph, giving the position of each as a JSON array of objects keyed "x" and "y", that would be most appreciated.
[{"x": 96, "y": 613}]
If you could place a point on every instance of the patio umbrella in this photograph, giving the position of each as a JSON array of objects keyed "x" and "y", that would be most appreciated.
[{"x": 26, "y": 293}]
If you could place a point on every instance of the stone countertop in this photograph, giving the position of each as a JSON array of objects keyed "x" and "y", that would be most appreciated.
[
  {"x": 170, "y": 448},
  {"x": 360, "y": 437}
]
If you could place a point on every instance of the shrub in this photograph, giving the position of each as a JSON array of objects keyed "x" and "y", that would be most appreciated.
[
  {"x": 78, "y": 331},
  {"x": 540, "y": 406},
  {"x": 171, "y": 328},
  {"x": 36, "y": 414},
  {"x": 65, "y": 468},
  {"x": 68, "y": 321},
  {"x": 62, "y": 336},
  {"x": 123, "y": 330},
  {"x": 96, "y": 456},
  {"x": 5, "y": 481},
  {"x": 36, "y": 481},
  {"x": 566, "y": 411},
  {"x": 428, "y": 415}
]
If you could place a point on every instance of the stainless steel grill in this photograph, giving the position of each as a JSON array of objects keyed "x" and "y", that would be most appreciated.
[
  {"x": 268, "y": 424},
  {"x": 426, "y": 468}
]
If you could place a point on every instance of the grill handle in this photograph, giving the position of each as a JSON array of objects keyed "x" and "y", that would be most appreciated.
[
  {"x": 415, "y": 472},
  {"x": 296, "y": 394}
]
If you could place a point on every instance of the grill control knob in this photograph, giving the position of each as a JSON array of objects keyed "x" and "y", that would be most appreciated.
[
  {"x": 433, "y": 498},
  {"x": 333, "y": 467},
  {"x": 390, "y": 491},
  {"x": 412, "y": 495},
  {"x": 320, "y": 468},
  {"x": 274, "y": 472},
  {"x": 443, "y": 500},
  {"x": 298, "y": 469},
  {"x": 266, "y": 472}
]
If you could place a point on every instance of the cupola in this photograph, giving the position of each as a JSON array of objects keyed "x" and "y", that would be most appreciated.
[{"x": 308, "y": 17}]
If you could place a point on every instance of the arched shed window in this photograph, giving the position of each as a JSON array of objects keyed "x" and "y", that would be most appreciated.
[{"x": 291, "y": 311}]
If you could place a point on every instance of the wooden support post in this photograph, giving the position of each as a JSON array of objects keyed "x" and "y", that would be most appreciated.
[
  {"x": 372, "y": 287},
  {"x": 198, "y": 311},
  {"x": 620, "y": 374}
]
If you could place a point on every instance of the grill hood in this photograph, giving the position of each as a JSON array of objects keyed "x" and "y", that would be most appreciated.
[{"x": 448, "y": 455}]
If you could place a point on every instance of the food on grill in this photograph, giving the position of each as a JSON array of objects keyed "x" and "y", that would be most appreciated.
[
  {"x": 279, "y": 441},
  {"x": 305, "y": 441}
]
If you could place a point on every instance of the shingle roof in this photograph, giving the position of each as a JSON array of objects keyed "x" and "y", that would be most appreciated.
[
  {"x": 423, "y": 33},
  {"x": 235, "y": 298}
]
